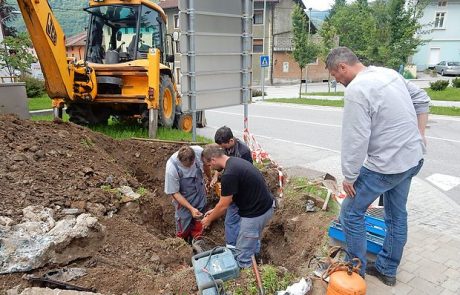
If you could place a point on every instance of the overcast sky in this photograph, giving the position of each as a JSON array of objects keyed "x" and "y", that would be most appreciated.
[{"x": 318, "y": 4}]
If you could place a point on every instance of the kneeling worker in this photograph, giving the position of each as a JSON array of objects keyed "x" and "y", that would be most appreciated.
[
  {"x": 244, "y": 185},
  {"x": 184, "y": 182}
]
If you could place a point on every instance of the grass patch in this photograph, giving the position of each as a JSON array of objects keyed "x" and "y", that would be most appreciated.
[
  {"x": 332, "y": 93},
  {"x": 449, "y": 94},
  {"x": 435, "y": 110},
  {"x": 299, "y": 188},
  {"x": 40, "y": 103},
  {"x": 309, "y": 101},
  {"x": 118, "y": 130},
  {"x": 446, "y": 111},
  {"x": 273, "y": 280}
]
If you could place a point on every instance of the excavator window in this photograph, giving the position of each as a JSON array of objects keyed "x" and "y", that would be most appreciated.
[{"x": 119, "y": 33}]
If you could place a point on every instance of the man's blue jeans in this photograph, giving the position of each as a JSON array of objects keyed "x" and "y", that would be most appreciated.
[
  {"x": 369, "y": 186},
  {"x": 232, "y": 225},
  {"x": 249, "y": 236}
]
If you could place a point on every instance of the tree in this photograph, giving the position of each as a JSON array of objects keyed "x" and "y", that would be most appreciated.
[
  {"x": 6, "y": 11},
  {"x": 338, "y": 4},
  {"x": 305, "y": 50},
  {"x": 328, "y": 37},
  {"x": 15, "y": 54}
]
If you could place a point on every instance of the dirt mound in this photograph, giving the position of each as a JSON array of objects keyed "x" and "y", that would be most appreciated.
[{"x": 63, "y": 165}]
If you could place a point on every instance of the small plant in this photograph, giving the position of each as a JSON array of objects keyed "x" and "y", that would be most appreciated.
[
  {"x": 408, "y": 75},
  {"x": 433, "y": 73},
  {"x": 86, "y": 142},
  {"x": 456, "y": 82},
  {"x": 257, "y": 92},
  {"x": 439, "y": 85},
  {"x": 142, "y": 191},
  {"x": 34, "y": 87}
]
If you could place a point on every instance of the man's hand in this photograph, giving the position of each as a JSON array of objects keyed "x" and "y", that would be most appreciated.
[
  {"x": 195, "y": 213},
  {"x": 206, "y": 222},
  {"x": 208, "y": 212},
  {"x": 214, "y": 179},
  {"x": 349, "y": 188}
]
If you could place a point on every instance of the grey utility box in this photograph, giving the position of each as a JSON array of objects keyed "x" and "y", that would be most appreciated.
[{"x": 13, "y": 99}]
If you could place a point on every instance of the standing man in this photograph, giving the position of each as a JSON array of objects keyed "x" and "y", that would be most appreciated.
[
  {"x": 383, "y": 135},
  {"x": 184, "y": 182},
  {"x": 235, "y": 148},
  {"x": 244, "y": 185}
]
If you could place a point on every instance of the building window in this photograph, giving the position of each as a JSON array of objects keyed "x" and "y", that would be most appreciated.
[
  {"x": 258, "y": 46},
  {"x": 286, "y": 67},
  {"x": 258, "y": 17},
  {"x": 176, "y": 21},
  {"x": 442, "y": 3},
  {"x": 439, "y": 22}
]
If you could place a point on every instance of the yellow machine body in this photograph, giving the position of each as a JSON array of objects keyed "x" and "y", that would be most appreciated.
[{"x": 114, "y": 78}]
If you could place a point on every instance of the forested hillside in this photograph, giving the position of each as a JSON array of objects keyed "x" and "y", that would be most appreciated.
[{"x": 69, "y": 13}]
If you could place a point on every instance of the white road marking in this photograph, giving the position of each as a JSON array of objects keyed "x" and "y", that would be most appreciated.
[
  {"x": 279, "y": 119},
  {"x": 443, "y": 139},
  {"x": 283, "y": 140},
  {"x": 314, "y": 123},
  {"x": 444, "y": 182}
]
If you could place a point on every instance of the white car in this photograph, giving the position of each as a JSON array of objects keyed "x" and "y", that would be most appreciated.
[{"x": 448, "y": 68}]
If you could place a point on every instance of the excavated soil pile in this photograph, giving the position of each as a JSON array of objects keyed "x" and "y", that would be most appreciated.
[{"x": 63, "y": 165}]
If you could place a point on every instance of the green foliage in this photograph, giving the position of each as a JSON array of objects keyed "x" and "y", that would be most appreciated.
[
  {"x": 34, "y": 87},
  {"x": 439, "y": 85},
  {"x": 305, "y": 50},
  {"x": 40, "y": 103},
  {"x": 273, "y": 280},
  {"x": 15, "y": 54},
  {"x": 384, "y": 32},
  {"x": 456, "y": 82},
  {"x": 7, "y": 15},
  {"x": 449, "y": 94},
  {"x": 408, "y": 75},
  {"x": 69, "y": 14},
  {"x": 257, "y": 92}
]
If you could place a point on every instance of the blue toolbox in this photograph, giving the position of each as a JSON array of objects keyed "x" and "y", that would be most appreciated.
[
  {"x": 212, "y": 268},
  {"x": 375, "y": 233}
]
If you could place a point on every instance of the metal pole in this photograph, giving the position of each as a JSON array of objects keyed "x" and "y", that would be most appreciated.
[
  {"x": 191, "y": 56},
  {"x": 309, "y": 33},
  {"x": 262, "y": 69},
  {"x": 247, "y": 25}
]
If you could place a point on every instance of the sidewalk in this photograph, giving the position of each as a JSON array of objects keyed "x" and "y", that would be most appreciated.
[{"x": 431, "y": 263}]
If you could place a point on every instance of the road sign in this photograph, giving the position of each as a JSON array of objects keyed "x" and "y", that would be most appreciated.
[
  {"x": 215, "y": 43},
  {"x": 264, "y": 61}
]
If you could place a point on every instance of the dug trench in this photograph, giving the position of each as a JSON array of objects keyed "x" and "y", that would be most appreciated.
[{"x": 64, "y": 166}]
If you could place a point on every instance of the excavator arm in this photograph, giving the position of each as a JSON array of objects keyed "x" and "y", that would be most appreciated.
[{"x": 63, "y": 79}]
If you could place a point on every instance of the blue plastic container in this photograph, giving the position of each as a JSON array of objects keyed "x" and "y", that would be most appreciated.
[
  {"x": 212, "y": 268},
  {"x": 375, "y": 233}
]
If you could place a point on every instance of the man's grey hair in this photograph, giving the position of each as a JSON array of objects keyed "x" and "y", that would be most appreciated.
[
  {"x": 340, "y": 55},
  {"x": 212, "y": 150}
]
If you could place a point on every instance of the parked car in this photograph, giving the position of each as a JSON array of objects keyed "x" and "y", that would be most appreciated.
[{"x": 448, "y": 68}]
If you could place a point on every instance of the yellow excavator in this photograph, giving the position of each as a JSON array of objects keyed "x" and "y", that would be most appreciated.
[{"x": 124, "y": 73}]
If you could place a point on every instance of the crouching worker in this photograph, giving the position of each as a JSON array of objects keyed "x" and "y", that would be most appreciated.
[
  {"x": 184, "y": 182},
  {"x": 244, "y": 185}
]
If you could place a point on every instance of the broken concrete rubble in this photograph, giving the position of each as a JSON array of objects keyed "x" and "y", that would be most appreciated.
[{"x": 39, "y": 240}]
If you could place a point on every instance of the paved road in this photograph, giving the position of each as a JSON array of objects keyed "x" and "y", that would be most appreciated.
[{"x": 309, "y": 136}]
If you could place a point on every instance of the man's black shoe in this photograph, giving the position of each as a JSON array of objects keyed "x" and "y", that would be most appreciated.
[{"x": 372, "y": 271}]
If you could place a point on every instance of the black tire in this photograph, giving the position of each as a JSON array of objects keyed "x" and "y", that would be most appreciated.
[{"x": 167, "y": 111}]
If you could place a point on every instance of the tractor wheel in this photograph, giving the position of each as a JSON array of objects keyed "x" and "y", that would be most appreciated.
[
  {"x": 167, "y": 102},
  {"x": 185, "y": 122}
]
